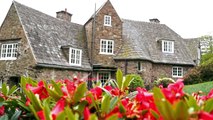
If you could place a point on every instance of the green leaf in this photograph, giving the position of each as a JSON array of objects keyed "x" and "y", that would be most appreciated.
[
  {"x": 16, "y": 115},
  {"x": 80, "y": 107},
  {"x": 53, "y": 94},
  {"x": 47, "y": 112},
  {"x": 181, "y": 111},
  {"x": 93, "y": 117},
  {"x": 105, "y": 103},
  {"x": 208, "y": 107},
  {"x": 34, "y": 112},
  {"x": 57, "y": 88},
  {"x": 34, "y": 101},
  {"x": 113, "y": 102},
  {"x": 128, "y": 79},
  {"x": 122, "y": 109},
  {"x": 4, "y": 89},
  {"x": 23, "y": 105},
  {"x": 113, "y": 117},
  {"x": 155, "y": 114},
  {"x": 61, "y": 116},
  {"x": 119, "y": 78},
  {"x": 80, "y": 91},
  {"x": 4, "y": 117},
  {"x": 12, "y": 90},
  {"x": 69, "y": 114},
  {"x": 164, "y": 107},
  {"x": 192, "y": 103}
]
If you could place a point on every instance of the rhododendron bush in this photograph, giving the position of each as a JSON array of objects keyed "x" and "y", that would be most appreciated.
[{"x": 72, "y": 100}]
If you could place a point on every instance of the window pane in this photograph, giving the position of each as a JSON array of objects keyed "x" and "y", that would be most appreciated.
[
  {"x": 106, "y": 46},
  {"x": 103, "y": 77},
  {"x": 9, "y": 50}
]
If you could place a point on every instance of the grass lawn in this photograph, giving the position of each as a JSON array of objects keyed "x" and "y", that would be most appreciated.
[{"x": 205, "y": 87}]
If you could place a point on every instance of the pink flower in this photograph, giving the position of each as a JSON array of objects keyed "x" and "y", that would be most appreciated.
[{"x": 59, "y": 107}]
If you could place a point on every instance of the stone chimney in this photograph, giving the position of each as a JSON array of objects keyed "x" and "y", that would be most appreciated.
[
  {"x": 154, "y": 20},
  {"x": 64, "y": 15}
]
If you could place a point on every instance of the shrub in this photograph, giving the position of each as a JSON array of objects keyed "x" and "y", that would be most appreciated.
[
  {"x": 200, "y": 74},
  {"x": 71, "y": 100},
  {"x": 137, "y": 81},
  {"x": 164, "y": 82}
]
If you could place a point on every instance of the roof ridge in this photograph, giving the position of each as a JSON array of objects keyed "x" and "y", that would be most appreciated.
[
  {"x": 15, "y": 3},
  {"x": 142, "y": 21}
]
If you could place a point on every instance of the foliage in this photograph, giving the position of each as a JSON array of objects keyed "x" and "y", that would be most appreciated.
[
  {"x": 201, "y": 73},
  {"x": 136, "y": 82},
  {"x": 204, "y": 87},
  {"x": 164, "y": 82},
  {"x": 71, "y": 100},
  {"x": 206, "y": 58}
]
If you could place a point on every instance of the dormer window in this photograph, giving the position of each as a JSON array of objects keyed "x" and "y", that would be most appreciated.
[
  {"x": 75, "y": 56},
  {"x": 106, "y": 46},
  {"x": 167, "y": 46},
  {"x": 9, "y": 51},
  {"x": 107, "y": 20}
]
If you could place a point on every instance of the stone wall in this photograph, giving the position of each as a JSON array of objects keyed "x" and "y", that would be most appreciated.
[
  {"x": 113, "y": 32},
  {"x": 59, "y": 74},
  {"x": 150, "y": 71},
  {"x": 11, "y": 31}
]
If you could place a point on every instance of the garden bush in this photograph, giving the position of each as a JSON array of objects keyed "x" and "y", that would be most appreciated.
[
  {"x": 199, "y": 74},
  {"x": 164, "y": 82},
  {"x": 71, "y": 100},
  {"x": 136, "y": 82}
]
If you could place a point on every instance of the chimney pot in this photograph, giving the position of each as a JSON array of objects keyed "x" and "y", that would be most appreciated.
[
  {"x": 154, "y": 20},
  {"x": 64, "y": 15}
]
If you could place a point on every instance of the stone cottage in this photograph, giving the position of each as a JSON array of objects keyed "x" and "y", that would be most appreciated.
[{"x": 43, "y": 47}]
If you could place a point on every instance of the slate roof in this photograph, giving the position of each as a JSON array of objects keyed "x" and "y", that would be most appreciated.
[
  {"x": 142, "y": 40},
  {"x": 193, "y": 44},
  {"x": 47, "y": 35}
]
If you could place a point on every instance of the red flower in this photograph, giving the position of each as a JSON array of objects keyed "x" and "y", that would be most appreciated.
[
  {"x": 59, "y": 107},
  {"x": 205, "y": 116},
  {"x": 174, "y": 91},
  {"x": 2, "y": 110},
  {"x": 96, "y": 92},
  {"x": 113, "y": 91},
  {"x": 40, "y": 90},
  {"x": 41, "y": 115},
  {"x": 86, "y": 113},
  {"x": 210, "y": 95}
]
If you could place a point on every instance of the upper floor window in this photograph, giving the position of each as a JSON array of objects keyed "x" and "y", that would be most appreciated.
[
  {"x": 103, "y": 77},
  {"x": 168, "y": 46},
  {"x": 9, "y": 51},
  {"x": 75, "y": 56},
  {"x": 107, "y": 20},
  {"x": 177, "y": 72},
  {"x": 106, "y": 46}
]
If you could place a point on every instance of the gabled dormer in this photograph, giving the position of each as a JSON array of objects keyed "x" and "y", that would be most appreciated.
[{"x": 104, "y": 35}]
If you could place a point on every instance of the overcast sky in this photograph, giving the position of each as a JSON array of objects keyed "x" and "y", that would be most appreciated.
[{"x": 189, "y": 18}]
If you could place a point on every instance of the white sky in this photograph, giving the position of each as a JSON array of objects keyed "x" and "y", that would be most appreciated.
[{"x": 189, "y": 18}]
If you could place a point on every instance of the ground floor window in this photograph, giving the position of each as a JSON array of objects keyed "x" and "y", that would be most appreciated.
[
  {"x": 14, "y": 80},
  {"x": 177, "y": 72},
  {"x": 103, "y": 77}
]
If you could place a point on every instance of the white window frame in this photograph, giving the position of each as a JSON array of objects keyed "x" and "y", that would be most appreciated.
[
  {"x": 75, "y": 59},
  {"x": 1, "y": 82},
  {"x": 167, "y": 46},
  {"x": 107, "y": 20},
  {"x": 177, "y": 74},
  {"x": 104, "y": 49},
  {"x": 9, "y": 53},
  {"x": 103, "y": 81}
]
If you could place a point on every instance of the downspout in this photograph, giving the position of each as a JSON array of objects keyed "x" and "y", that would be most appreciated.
[{"x": 93, "y": 39}]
